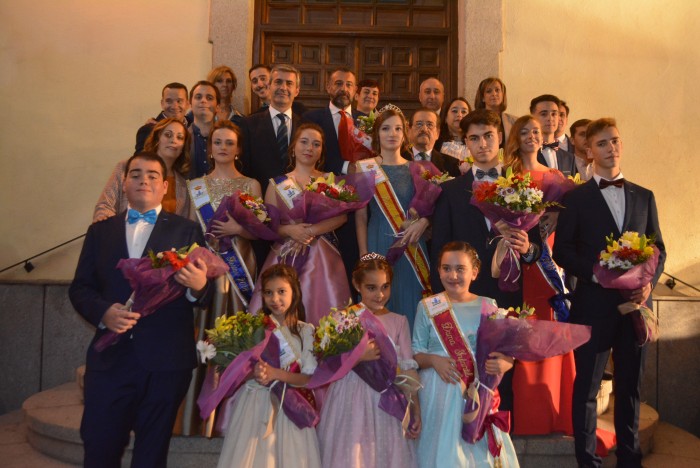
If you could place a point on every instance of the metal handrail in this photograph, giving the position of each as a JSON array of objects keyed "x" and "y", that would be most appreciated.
[{"x": 28, "y": 267}]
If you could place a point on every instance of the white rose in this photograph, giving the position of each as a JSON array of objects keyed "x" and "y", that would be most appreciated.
[{"x": 207, "y": 351}]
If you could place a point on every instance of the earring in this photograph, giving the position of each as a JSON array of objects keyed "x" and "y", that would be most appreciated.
[{"x": 293, "y": 155}]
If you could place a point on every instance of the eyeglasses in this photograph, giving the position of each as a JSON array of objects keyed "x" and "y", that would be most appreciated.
[{"x": 420, "y": 125}]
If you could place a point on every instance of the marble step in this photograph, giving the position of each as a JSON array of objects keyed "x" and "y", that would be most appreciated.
[
  {"x": 52, "y": 419},
  {"x": 557, "y": 451},
  {"x": 53, "y": 428}
]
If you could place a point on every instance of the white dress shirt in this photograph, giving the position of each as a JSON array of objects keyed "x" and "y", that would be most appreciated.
[
  {"x": 276, "y": 121},
  {"x": 486, "y": 178},
  {"x": 615, "y": 198},
  {"x": 137, "y": 234},
  {"x": 550, "y": 156},
  {"x": 564, "y": 143},
  {"x": 429, "y": 154}
]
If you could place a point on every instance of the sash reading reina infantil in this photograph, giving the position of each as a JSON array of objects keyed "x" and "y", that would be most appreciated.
[
  {"x": 439, "y": 310},
  {"x": 238, "y": 275},
  {"x": 395, "y": 215}
]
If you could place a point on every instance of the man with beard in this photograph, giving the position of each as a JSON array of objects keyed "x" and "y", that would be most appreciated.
[
  {"x": 422, "y": 133},
  {"x": 173, "y": 104},
  {"x": 336, "y": 121}
]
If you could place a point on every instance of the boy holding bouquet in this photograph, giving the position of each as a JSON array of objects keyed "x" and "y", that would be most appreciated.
[{"x": 605, "y": 204}]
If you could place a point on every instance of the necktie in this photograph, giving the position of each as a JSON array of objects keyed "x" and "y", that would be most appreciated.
[
  {"x": 149, "y": 216},
  {"x": 282, "y": 137},
  {"x": 492, "y": 173},
  {"x": 608, "y": 183},
  {"x": 421, "y": 156},
  {"x": 553, "y": 146},
  {"x": 343, "y": 135}
]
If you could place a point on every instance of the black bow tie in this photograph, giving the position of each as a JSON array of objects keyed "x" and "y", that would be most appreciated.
[
  {"x": 553, "y": 146},
  {"x": 608, "y": 183},
  {"x": 492, "y": 173}
]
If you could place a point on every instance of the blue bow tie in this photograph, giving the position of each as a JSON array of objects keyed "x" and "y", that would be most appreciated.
[
  {"x": 492, "y": 173},
  {"x": 149, "y": 216}
]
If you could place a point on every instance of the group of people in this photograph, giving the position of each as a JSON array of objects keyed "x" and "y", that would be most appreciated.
[{"x": 200, "y": 149}]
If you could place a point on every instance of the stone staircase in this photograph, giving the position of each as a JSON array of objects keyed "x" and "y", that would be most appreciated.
[{"x": 52, "y": 419}]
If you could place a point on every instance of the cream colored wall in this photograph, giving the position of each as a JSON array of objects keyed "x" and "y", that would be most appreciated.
[
  {"x": 637, "y": 61},
  {"x": 77, "y": 79}
]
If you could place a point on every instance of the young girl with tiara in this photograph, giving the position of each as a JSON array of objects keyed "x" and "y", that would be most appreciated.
[
  {"x": 248, "y": 442},
  {"x": 445, "y": 372},
  {"x": 354, "y": 431}
]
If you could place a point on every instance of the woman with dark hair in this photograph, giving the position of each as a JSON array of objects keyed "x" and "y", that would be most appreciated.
[
  {"x": 387, "y": 216},
  {"x": 311, "y": 248},
  {"x": 169, "y": 140},
  {"x": 491, "y": 95},
  {"x": 450, "y": 141},
  {"x": 542, "y": 390},
  {"x": 226, "y": 82}
]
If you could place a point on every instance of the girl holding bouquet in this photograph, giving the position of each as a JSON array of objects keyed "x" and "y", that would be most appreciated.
[
  {"x": 443, "y": 377},
  {"x": 260, "y": 435},
  {"x": 542, "y": 390},
  {"x": 312, "y": 248},
  {"x": 389, "y": 221},
  {"x": 354, "y": 431}
]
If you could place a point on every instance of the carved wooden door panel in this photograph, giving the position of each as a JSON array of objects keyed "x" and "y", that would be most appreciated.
[{"x": 399, "y": 43}]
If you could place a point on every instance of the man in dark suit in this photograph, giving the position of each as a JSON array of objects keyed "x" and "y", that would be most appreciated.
[
  {"x": 560, "y": 134},
  {"x": 138, "y": 383},
  {"x": 265, "y": 136},
  {"x": 605, "y": 205},
  {"x": 173, "y": 104},
  {"x": 259, "y": 76},
  {"x": 545, "y": 109},
  {"x": 455, "y": 219},
  {"x": 335, "y": 121},
  {"x": 422, "y": 134}
]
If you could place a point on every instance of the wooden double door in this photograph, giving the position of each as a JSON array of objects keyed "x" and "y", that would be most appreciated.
[{"x": 416, "y": 42}]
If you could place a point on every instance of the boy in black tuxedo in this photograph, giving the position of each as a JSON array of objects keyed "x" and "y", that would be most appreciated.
[
  {"x": 138, "y": 383},
  {"x": 605, "y": 204}
]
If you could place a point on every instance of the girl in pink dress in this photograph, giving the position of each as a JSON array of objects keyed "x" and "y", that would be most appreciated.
[{"x": 354, "y": 431}]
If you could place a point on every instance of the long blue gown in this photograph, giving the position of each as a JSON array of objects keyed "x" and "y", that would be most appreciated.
[
  {"x": 406, "y": 290},
  {"x": 440, "y": 442}
]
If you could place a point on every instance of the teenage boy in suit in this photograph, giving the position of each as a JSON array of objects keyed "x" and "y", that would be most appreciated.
[
  {"x": 545, "y": 109},
  {"x": 138, "y": 383},
  {"x": 607, "y": 204}
]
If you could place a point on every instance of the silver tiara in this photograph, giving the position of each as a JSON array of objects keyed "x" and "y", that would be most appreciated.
[
  {"x": 372, "y": 256},
  {"x": 390, "y": 107}
]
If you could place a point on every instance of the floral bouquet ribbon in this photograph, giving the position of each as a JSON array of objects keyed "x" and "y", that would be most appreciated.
[
  {"x": 522, "y": 338},
  {"x": 153, "y": 282},
  {"x": 216, "y": 388},
  {"x": 627, "y": 264},
  {"x": 379, "y": 374},
  {"x": 517, "y": 201}
]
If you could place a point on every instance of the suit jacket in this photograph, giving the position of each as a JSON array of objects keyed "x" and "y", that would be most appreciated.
[
  {"x": 442, "y": 161},
  {"x": 260, "y": 158},
  {"x": 565, "y": 162},
  {"x": 456, "y": 219},
  {"x": 164, "y": 340},
  {"x": 581, "y": 231},
  {"x": 324, "y": 119}
]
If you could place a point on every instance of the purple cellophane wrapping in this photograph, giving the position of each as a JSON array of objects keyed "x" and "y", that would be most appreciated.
[
  {"x": 294, "y": 405},
  {"x": 523, "y": 339},
  {"x": 379, "y": 374},
  {"x": 156, "y": 287},
  {"x": 246, "y": 218}
]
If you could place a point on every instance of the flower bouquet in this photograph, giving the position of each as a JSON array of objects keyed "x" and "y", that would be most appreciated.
[
  {"x": 629, "y": 263},
  {"x": 235, "y": 345},
  {"x": 357, "y": 144},
  {"x": 250, "y": 212},
  {"x": 341, "y": 340},
  {"x": 426, "y": 180},
  {"x": 513, "y": 333},
  {"x": 366, "y": 122},
  {"x": 153, "y": 282},
  {"x": 518, "y": 201}
]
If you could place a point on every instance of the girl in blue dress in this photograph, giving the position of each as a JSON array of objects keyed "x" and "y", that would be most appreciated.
[{"x": 442, "y": 404}]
